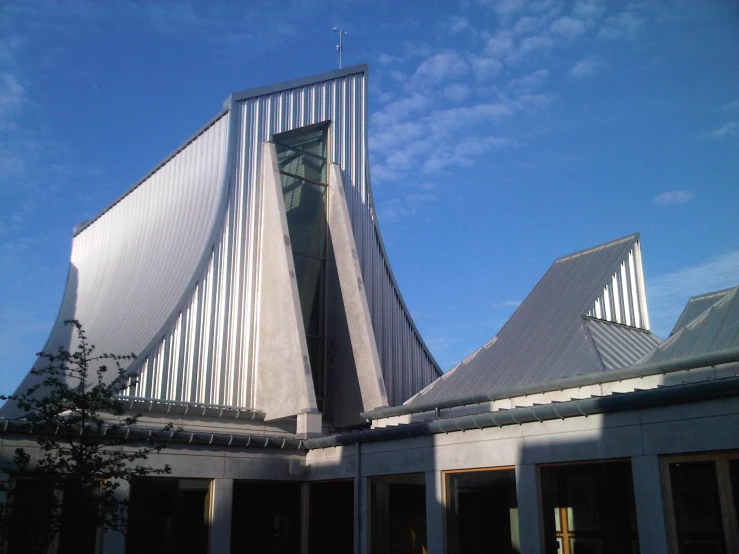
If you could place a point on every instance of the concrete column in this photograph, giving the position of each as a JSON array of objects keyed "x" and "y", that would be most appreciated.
[
  {"x": 113, "y": 541},
  {"x": 221, "y": 502},
  {"x": 364, "y": 512},
  {"x": 435, "y": 518},
  {"x": 528, "y": 496},
  {"x": 650, "y": 505}
]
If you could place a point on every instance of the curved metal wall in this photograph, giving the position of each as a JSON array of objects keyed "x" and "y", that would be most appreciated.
[
  {"x": 208, "y": 350},
  {"x": 131, "y": 265}
]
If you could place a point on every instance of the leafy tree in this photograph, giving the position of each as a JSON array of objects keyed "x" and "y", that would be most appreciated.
[{"x": 87, "y": 443}]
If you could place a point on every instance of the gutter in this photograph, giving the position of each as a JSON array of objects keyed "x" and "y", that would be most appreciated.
[
  {"x": 686, "y": 363},
  {"x": 616, "y": 402},
  {"x": 143, "y": 435}
]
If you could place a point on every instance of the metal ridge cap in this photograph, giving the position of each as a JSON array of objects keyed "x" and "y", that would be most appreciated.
[
  {"x": 665, "y": 396},
  {"x": 294, "y": 83},
  {"x": 694, "y": 361}
]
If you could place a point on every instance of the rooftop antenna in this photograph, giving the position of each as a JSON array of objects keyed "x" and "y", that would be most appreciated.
[{"x": 340, "y": 46}]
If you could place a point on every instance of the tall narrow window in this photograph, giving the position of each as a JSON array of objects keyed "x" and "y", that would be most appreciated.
[{"x": 302, "y": 160}]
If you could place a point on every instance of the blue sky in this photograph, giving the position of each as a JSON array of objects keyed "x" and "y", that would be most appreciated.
[{"x": 503, "y": 134}]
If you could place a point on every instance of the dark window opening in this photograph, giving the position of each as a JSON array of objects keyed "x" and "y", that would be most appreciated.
[
  {"x": 331, "y": 517},
  {"x": 265, "y": 518},
  {"x": 482, "y": 512},
  {"x": 398, "y": 515},
  {"x": 168, "y": 516},
  {"x": 589, "y": 508}
]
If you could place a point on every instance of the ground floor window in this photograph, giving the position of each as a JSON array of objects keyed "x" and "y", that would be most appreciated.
[
  {"x": 703, "y": 501},
  {"x": 168, "y": 516},
  {"x": 398, "y": 514},
  {"x": 31, "y": 522},
  {"x": 331, "y": 517},
  {"x": 481, "y": 511},
  {"x": 589, "y": 508},
  {"x": 265, "y": 518}
]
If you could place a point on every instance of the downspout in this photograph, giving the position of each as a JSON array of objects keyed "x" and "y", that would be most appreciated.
[{"x": 357, "y": 499}]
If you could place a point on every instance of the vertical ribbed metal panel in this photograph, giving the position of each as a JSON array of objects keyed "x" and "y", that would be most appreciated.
[
  {"x": 623, "y": 300},
  {"x": 208, "y": 351}
]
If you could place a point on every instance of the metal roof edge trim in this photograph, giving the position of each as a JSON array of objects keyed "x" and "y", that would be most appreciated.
[
  {"x": 675, "y": 394},
  {"x": 86, "y": 223},
  {"x": 695, "y": 361},
  {"x": 294, "y": 83},
  {"x": 633, "y": 237}
]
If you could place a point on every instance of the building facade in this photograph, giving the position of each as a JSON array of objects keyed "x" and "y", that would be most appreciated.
[{"x": 248, "y": 273}]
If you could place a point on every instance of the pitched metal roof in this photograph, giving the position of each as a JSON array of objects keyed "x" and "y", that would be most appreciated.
[
  {"x": 695, "y": 307},
  {"x": 548, "y": 337},
  {"x": 716, "y": 328},
  {"x": 620, "y": 345}
]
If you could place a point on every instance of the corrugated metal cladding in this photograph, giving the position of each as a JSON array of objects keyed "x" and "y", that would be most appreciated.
[
  {"x": 207, "y": 354},
  {"x": 132, "y": 264},
  {"x": 549, "y": 335}
]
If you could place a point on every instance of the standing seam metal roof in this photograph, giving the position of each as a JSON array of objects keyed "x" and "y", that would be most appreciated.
[{"x": 548, "y": 337}]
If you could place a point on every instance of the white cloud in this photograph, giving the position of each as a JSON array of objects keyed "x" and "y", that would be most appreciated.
[
  {"x": 500, "y": 44},
  {"x": 508, "y": 304},
  {"x": 12, "y": 95},
  {"x": 588, "y": 9},
  {"x": 439, "y": 67},
  {"x": 728, "y": 130},
  {"x": 532, "y": 81},
  {"x": 458, "y": 24},
  {"x": 732, "y": 106},
  {"x": 485, "y": 68},
  {"x": 669, "y": 293},
  {"x": 568, "y": 27},
  {"x": 673, "y": 197},
  {"x": 457, "y": 92},
  {"x": 585, "y": 68},
  {"x": 624, "y": 25},
  {"x": 530, "y": 46},
  {"x": 388, "y": 59}
]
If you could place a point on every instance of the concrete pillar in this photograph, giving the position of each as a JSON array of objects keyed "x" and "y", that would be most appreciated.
[
  {"x": 221, "y": 502},
  {"x": 650, "y": 505},
  {"x": 364, "y": 511},
  {"x": 528, "y": 496},
  {"x": 114, "y": 542},
  {"x": 435, "y": 517}
]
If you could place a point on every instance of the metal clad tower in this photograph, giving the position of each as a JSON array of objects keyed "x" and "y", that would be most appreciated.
[{"x": 170, "y": 271}]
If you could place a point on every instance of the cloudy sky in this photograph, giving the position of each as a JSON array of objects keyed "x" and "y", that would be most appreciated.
[{"x": 503, "y": 134}]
